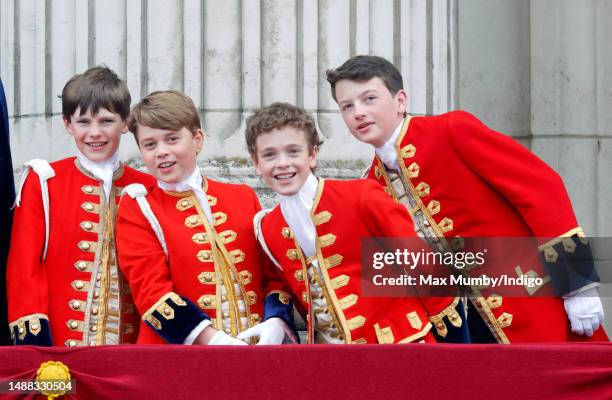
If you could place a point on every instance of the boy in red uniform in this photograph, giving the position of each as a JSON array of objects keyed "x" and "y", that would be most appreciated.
[
  {"x": 314, "y": 234},
  {"x": 64, "y": 286},
  {"x": 186, "y": 244},
  {"x": 460, "y": 179}
]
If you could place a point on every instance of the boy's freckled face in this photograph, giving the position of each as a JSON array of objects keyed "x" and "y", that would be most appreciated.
[
  {"x": 169, "y": 156},
  {"x": 283, "y": 159},
  {"x": 369, "y": 110},
  {"x": 96, "y": 136}
]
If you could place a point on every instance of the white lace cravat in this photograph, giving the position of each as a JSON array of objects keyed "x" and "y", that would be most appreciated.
[
  {"x": 296, "y": 210},
  {"x": 102, "y": 170},
  {"x": 194, "y": 183},
  {"x": 387, "y": 153}
]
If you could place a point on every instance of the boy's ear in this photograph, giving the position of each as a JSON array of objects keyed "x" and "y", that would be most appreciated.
[
  {"x": 401, "y": 100},
  {"x": 198, "y": 138},
  {"x": 124, "y": 128},
  {"x": 313, "y": 157},
  {"x": 256, "y": 165},
  {"x": 67, "y": 125}
]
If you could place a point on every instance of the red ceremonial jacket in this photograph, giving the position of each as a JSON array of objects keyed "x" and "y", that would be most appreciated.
[
  {"x": 76, "y": 291},
  {"x": 472, "y": 182},
  {"x": 193, "y": 269},
  {"x": 343, "y": 213}
]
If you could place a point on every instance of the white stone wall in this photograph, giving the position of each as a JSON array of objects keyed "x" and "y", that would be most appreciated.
[{"x": 230, "y": 56}]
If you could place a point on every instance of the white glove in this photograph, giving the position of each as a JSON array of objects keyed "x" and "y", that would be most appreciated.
[
  {"x": 271, "y": 331},
  {"x": 222, "y": 338},
  {"x": 585, "y": 312}
]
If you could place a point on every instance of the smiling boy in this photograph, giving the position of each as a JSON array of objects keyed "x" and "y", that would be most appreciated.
[
  {"x": 187, "y": 245},
  {"x": 64, "y": 285},
  {"x": 460, "y": 179},
  {"x": 314, "y": 236}
]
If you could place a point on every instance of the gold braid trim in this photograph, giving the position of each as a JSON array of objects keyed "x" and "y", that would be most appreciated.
[
  {"x": 161, "y": 303},
  {"x": 417, "y": 335},
  {"x": 453, "y": 317},
  {"x": 576, "y": 231},
  {"x": 20, "y": 324},
  {"x": 283, "y": 296}
]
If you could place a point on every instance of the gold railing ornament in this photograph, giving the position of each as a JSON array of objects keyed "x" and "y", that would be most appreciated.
[{"x": 56, "y": 378}]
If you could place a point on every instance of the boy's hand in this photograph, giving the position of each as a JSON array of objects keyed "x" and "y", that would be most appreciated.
[
  {"x": 585, "y": 312},
  {"x": 211, "y": 336},
  {"x": 271, "y": 331}
]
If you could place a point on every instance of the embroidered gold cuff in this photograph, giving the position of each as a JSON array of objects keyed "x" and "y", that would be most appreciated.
[
  {"x": 163, "y": 308},
  {"x": 33, "y": 325},
  {"x": 576, "y": 231}
]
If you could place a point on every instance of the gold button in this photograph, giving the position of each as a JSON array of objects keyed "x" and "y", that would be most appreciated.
[
  {"x": 226, "y": 315},
  {"x": 21, "y": 330},
  {"x": 76, "y": 304},
  {"x": 321, "y": 296},
  {"x": 73, "y": 325},
  {"x": 96, "y": 294},
  {"x": 440, "y": 325},
  {"x": 326, "y": 310},
  {"x": 193, "y": 219},
  {"x": 88, "y": 189},
  {"x": 78, "y": 284},
  {"x": 89, "y": 207},
  {"x": 72, "y": 343},
  {"x": 207, "y": 276},
  {"x": 332, "y": 325},
  {"x": 82, "y": 265},
  {"x": 88, "y": 225},
  {"x": 184, "y": 203},
  {"x": 34, "y": 326},
  {"x": 207, "y": 301},
  {"x": 94, "y": 311},
  {"x": 299, "y": 275},
  {"x": 93, "y": 328},
  {"x": 206, "y": 256},
  {"x": 98, "y": 276},
  {"x": 167, "y": 311},
  {"x": 85, "y": 246}
]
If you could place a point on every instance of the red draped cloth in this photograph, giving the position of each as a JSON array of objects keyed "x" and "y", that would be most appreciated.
[{"x": 415, "y": 371}]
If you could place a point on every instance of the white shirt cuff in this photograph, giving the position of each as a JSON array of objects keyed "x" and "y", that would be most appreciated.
[{"x": 196, "y": 331}]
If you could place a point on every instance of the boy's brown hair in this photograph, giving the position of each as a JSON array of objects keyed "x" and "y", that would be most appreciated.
[
  {"x": 276, "y": 116},
  {"x": 98, "y": 87},
  {"x": 364, "y": 68},
  {"x": 170, "y": 109}
]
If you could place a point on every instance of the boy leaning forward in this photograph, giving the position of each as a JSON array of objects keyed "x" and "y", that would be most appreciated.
[
  {"x": 314, "y": 237},
  {"x": 461, "y": 180},
  {"x": 186, "y": 244}
]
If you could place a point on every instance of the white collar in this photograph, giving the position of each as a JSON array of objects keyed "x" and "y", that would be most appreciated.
[
  {"x": 387, "y": 152},
  {"x": 305, "y": 195},
  {"x": 102, "y": 170},
  {"x": 296, "y": 210},
  {"x": 193, "y": 182}
]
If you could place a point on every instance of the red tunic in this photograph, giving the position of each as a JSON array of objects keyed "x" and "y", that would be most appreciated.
[
  {"x": 471, "y": 181},
  {"x": 77, "y": 287},
  {"x": 195, "y": 269},
  {"x": 343, "y": 213}
]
